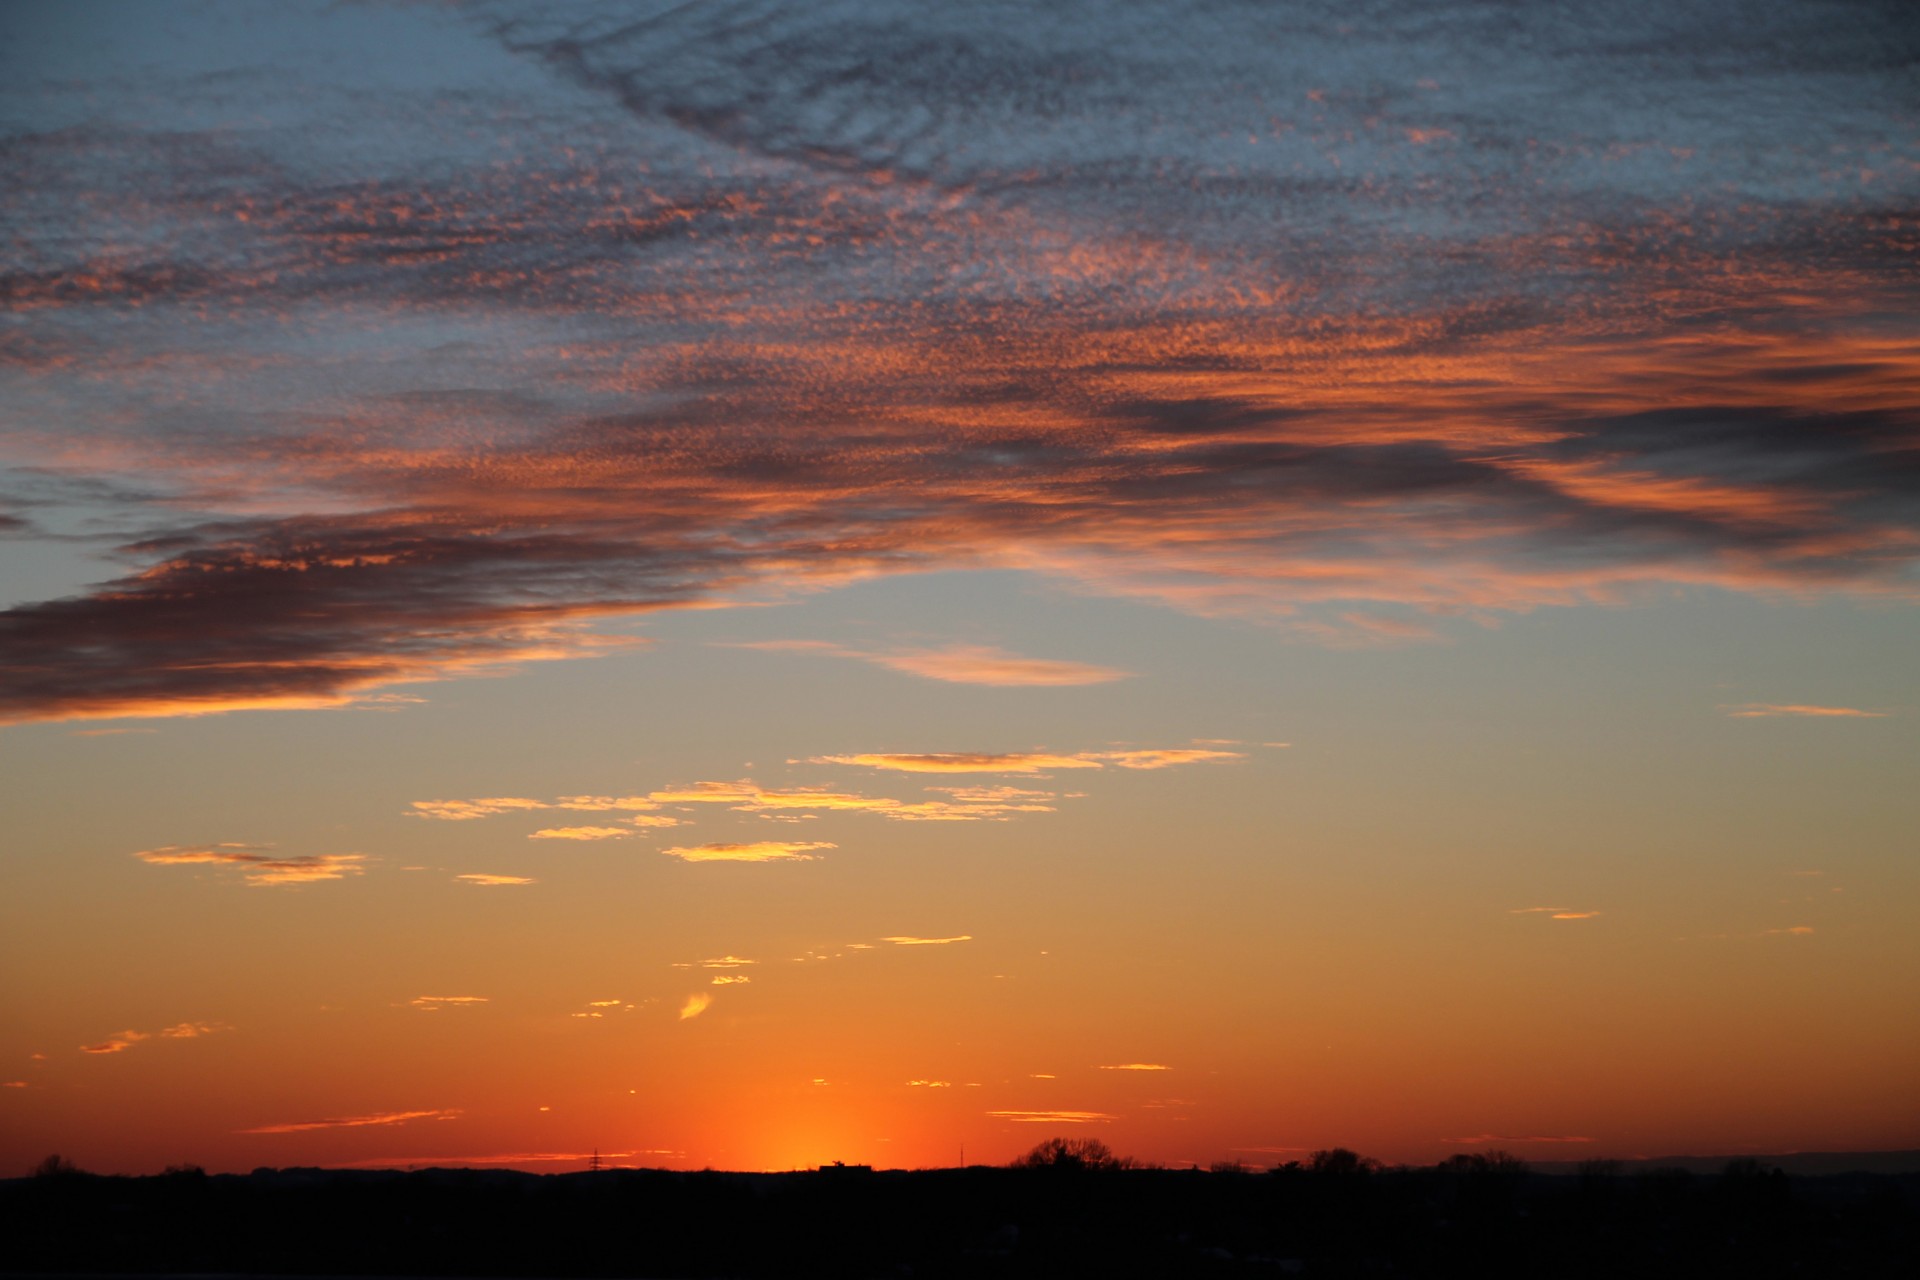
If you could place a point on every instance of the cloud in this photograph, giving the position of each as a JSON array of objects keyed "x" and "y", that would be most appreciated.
[
  {"x": 1759, "y": 710},
  {"x": 120, "y": 1041},
  {"x": 928, "y": 942},
  {"x": 1796, "y": 931},
  {"x": 756, "y": 851},
  {"x": 606, "y": 804},
  {"x": 695, "y": 1005},
  {"x": 256, "y": 864},
  {"x": 489, "y": 881},
  {"x": 1554, "y": 913},
  {"x": 1061, "y": 297},
  {"x": 433, "y": 1003},
  {"x": 930, "y": 1084},
  {"x": 116, "y": 1043},
  {"x": 718, "y": 962},
  {"x": 1053, "y": 1117},
  {"x": 747, "y": 796},
  {"x": 378, "y": 1119},
  {"x": 192, "y": 1030},
  {"x": 729, "y": 979},
  {"x": 1030, "y": 761},
  {"x": 468, "y": 810},
  {"x": 1137, "y": 1066},
  {"x": 580, "y": 833},
  {"x": 962, "y": 664}
]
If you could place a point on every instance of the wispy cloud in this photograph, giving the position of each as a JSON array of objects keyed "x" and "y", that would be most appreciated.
[
  {"x": 695, "y": 1005},
  {"x": 718, "y": 962},
  {"x": 928, "y": 942},
  {"x": 1137, "y": 1066},
  {"x": 729, "y": 979},
  {"x": 1053, "y": 1117},
  {"x": 1554, "y": 913},
  {"x": 257, "y": 864},
  {"x": 1793, "y": 931},
  {"x": 118, "y": 1042},
  {"x": 468, "y": 810},
  {"x": 487, "y": 880},
  {"x": 1029, "y": 761},
  {"x": 1761, "y": 710},
  {"x": 755, "y": 851},
  {"x": 960, "y": 664},
  {"x": 377, "y": 1119},
  {"x": 581, "y": 833},
  {"x": 121, "y": 1041},
  {"x": 747, "y": 796},
  {"x": 432, "y": 1003}
]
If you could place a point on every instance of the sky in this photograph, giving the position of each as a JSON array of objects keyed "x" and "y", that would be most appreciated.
[{"x": 739, "y": 586}]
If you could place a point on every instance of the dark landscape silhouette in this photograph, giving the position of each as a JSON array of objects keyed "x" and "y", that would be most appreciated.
[{"x": 1069, "y": 1207}]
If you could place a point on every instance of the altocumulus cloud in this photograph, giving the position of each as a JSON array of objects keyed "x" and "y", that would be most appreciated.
[{"x": 841, "y": 296}]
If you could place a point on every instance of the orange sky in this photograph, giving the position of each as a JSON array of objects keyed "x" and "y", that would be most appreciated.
[{"x": 744, "y": 595}]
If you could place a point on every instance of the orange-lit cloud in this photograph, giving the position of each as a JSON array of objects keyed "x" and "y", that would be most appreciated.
[
  {"x": 962, "y": 664},
  {"x": 1759, "y": 710},
  {"x": 256, "y": 864},
  {"x": 580, "y": 833},
  {"x": 951, "y": 345},
  {"x": 1796, "y": 931},
  {"x": 928, "y": 942},
  {"x": 489, "y": 881},
  {"x": 1554, "y": 913},
  {"x": 695, "y": 1005},
  {"x": 192, "y": 1030},
  {"x": 755, "y": 851},
  {"x": 1053, "y": 1117},
  {"x": 468, "y": 810},
  {"x": 380, "y": 1118},
  {"x": 431, "y": 1003},
  {"x": 1029, "y": 761},
  {"x": 718, "y": 962},
  {"x": 1137, "y": 1066},
  {"x": 729, "y": 979},
  {"x": 120, "y": 1041}
]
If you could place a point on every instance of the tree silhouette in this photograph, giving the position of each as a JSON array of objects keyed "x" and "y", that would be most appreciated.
[
  {"x": 1072, "y": 1153},
  {"x": 55, "y": 1166},
  {"x": 1338, "y": 1161}
]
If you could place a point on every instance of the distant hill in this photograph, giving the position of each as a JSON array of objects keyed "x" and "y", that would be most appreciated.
[{"x": 1799, "y": 1163}]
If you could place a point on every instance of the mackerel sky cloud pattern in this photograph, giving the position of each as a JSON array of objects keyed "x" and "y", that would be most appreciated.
[{"x": 1280, "y": 312}]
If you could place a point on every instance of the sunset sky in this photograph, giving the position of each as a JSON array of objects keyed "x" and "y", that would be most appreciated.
[{"x": 743, "y": 585}]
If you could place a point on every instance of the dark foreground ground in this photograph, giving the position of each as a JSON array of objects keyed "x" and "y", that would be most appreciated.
[{"x": 965, "y": 1222}]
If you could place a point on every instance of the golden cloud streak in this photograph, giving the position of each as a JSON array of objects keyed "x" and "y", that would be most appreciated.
[
  {"x": 1029, "y": 761},
  {"x": 1757, "y": 710},
  {"x": 377, "y": 1119},
  {"x": 756, "y": 851}
]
